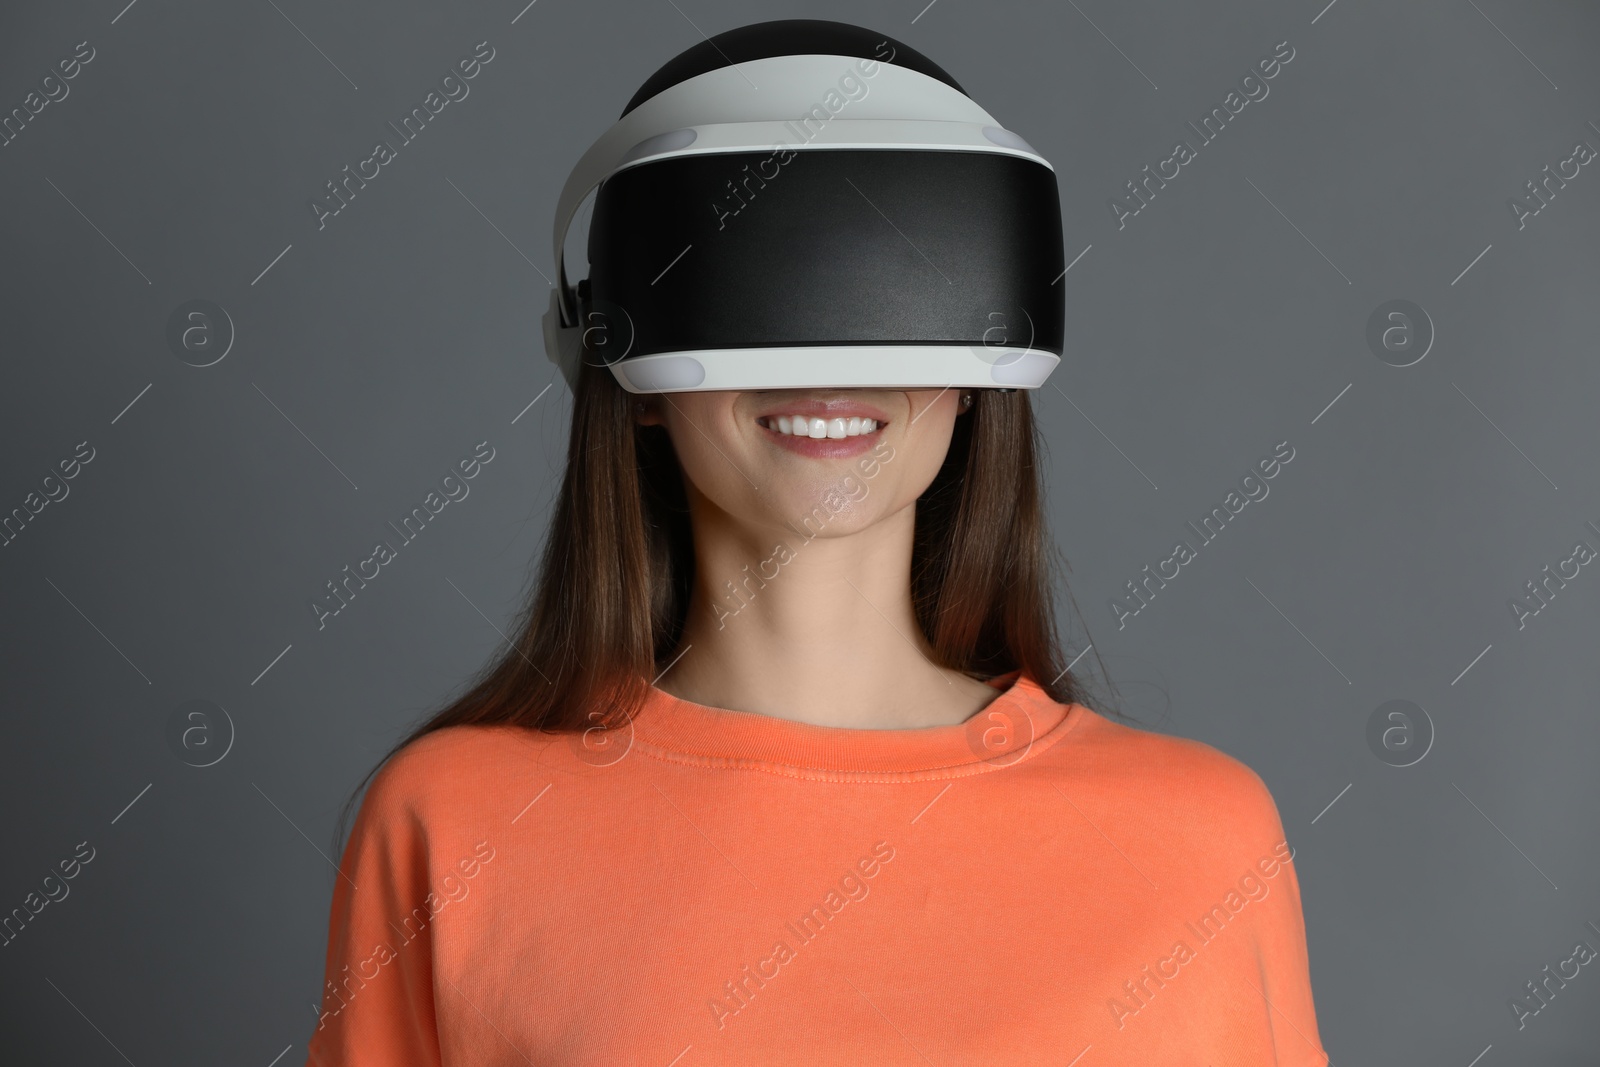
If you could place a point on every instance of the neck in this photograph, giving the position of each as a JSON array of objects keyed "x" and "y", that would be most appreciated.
[{"x": 815, "y": 626}]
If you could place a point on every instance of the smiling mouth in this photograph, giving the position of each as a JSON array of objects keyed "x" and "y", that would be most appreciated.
[{"x": 816, "y": 427}]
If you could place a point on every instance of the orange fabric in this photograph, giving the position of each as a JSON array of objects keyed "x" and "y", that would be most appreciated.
[{"x": 1041, "y": 885}]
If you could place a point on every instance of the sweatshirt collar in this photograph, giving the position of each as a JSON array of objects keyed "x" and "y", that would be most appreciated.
[{"x": 1014, "y": 727}]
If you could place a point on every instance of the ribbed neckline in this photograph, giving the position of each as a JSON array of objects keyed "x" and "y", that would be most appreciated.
[{"x": 1014, "y": 727}]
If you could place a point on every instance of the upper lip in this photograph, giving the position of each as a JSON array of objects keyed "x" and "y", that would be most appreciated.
[{"x": 841, "y": 408}]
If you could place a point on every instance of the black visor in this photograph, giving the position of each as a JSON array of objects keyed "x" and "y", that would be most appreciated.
[{"x": 825, "y": 248}]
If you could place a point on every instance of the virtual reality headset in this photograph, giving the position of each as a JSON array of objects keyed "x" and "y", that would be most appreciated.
[{"x": 805, "y": 204}]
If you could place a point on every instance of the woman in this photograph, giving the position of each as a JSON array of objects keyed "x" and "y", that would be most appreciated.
[{"x": 784, "y": 766}]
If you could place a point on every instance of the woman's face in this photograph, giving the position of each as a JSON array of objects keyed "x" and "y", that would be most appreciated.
[{"x": 751, "y": 475}]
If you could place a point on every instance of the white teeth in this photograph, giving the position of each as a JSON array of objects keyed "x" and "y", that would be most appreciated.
[{"x": 801, "y": 426}]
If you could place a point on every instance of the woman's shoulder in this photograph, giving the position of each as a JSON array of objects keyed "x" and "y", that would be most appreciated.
[
  {"x": 453, "y": 766},
  {"x": 1188, "y": 777}
]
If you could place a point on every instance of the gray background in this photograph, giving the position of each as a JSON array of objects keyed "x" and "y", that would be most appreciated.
[{"x": 1227, "y": 316}]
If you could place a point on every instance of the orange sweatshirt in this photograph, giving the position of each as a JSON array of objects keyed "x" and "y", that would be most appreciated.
[{"x": 1040, "y": 885}]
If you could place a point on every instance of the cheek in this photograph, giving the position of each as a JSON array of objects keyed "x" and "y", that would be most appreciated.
[
  {"x": 719, "y": 462},
  {"x": 715, "y": 476},
  {"x": 918, "y": 455},
  {"x": 933, "y": 422}
]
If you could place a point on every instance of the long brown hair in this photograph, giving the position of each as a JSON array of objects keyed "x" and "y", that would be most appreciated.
[{"x": 612, "y": 590}]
